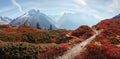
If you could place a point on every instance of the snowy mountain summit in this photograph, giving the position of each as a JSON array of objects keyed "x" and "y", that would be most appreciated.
[{"x": 34, "y": 17}]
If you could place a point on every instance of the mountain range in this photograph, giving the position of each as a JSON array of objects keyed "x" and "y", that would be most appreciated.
[
  {"x": 66, "y": 21},
  {"x": 33, "y": 17},
  {"x": 74, "y": 20}
]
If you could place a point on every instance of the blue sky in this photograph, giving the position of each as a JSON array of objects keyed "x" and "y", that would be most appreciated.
[{"x": 99, "y": 9}]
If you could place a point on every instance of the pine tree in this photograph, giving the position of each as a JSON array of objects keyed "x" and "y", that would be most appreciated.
[
  {"x": 50, "y": 27},
  {"x": 38, "y": 25}
]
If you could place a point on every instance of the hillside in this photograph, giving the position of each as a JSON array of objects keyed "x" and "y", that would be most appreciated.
[
  {"x": 21, "y": 42},
  {"x": 26, "y": 42},
  {"x": 107, "y": 44}
]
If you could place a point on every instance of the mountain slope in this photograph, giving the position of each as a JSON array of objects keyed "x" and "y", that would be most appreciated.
[
  {"x": 74, "y": 20},
  {"x": 107, "y": 44},
  {"x": 5, "y": 20},
  {"x": 117, "y": 16},
  {"x": 33, "y": 17}
]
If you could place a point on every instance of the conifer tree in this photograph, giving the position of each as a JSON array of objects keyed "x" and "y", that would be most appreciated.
[
  {"x": 50, "y": 27},
  {"x": 38, "y": 25}
]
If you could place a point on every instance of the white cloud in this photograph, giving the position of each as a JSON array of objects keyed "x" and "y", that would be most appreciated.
[
  {"x": 91, "y": 11},
  {"x": 66, "y": 11},
  {"x": 114, "y": 6},
  {"x": 18, "y": 5},
  {"x": 94, "y": 13},
  {"x": 5, "y": 9},
  {"x": 81, "y": 2},
  {"x": 97, "y": 16}
]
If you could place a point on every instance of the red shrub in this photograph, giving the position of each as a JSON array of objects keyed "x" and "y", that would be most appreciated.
[
  {"x": 84, "y": 31},
  {"x": 113, "y": 53}
]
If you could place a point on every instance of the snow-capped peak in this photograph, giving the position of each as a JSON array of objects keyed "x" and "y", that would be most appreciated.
[
  {"x": 33, "y": 11},
  {"x": 33, "y": 17},
  {"x": 4, "y": 20},
  {"x": 25, "y": 15}
]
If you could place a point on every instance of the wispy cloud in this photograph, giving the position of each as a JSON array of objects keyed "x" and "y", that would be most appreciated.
[
  {"x": 81, "y": 2},
  {"x": 18, "y": 5},
  {"x": 99, "y": 9},
  {"x": 97, "y": 16},
  {"x": 114, "y": 6}
]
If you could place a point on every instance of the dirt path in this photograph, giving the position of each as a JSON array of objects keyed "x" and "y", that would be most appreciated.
[{"x": 77, "y": 49}]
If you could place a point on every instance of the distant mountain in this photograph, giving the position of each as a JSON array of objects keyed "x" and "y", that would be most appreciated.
[
  {"x": 5, "y": 20},
  {"x": 33, "y": 17},
  {"x": 74, "y": 20},
  {"x": 117, "y": 16}
]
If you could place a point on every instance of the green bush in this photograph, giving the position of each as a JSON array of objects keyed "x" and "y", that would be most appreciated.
[
  {"x": 19, "y": 51},
  {"x": 46, "y": 36},
  {"x": 114, "y": 41}
]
